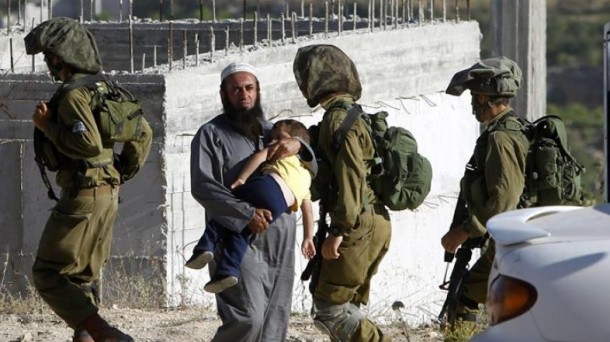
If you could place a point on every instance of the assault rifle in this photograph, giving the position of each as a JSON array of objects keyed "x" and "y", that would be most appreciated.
[
  {"x": 454, "y": 285},
  {"x": 312, "y": 269},
  {"x": 462, "y": 256}
]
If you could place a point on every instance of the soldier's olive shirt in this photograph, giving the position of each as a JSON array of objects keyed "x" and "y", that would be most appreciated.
[
  {"x": 498, "y": 180},
  {"x": 348, "y": 164}
]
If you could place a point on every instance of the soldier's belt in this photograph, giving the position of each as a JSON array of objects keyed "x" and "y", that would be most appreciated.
[{"x": 103, "y": 189}]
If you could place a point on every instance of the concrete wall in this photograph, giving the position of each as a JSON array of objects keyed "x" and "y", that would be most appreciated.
[
  {"x": 152, "y": 41},
  {"x": 403, "y": 72}
]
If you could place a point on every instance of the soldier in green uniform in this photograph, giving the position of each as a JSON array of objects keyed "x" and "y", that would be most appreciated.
[
  {"x": 76, "y": 240},
  {"x": 360, "y": 228},
  {"x": 494, "y": 177}
]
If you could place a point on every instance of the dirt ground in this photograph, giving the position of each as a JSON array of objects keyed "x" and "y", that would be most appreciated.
[{"x": 191, "y": 324}]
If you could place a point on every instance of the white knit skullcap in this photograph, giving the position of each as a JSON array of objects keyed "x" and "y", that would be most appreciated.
[{"x": 237, "y": 67}]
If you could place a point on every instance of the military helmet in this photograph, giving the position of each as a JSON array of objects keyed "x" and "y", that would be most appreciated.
[
  {"x": 497, "y": 76},
  {"x": 322, "y": 70},
  {"x": 69, "y": 40}
]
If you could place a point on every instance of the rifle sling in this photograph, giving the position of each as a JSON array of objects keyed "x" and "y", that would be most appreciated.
[{"x": 45, "y": 179}]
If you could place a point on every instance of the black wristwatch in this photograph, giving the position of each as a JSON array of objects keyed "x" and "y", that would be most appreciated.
[{"x": 335, "y": 231}]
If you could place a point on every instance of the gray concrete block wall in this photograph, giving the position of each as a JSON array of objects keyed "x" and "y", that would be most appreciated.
[{"x": 11, "y": 218}]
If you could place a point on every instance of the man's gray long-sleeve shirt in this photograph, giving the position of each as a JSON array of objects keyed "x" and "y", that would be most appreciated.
[{"x": 258, "y": 307}]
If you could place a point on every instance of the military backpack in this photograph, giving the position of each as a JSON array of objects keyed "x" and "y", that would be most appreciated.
[
  {"x": 552, "y": 174},
  {"x": 401, "y": 177},
  {"x": 117, "y": 113}
]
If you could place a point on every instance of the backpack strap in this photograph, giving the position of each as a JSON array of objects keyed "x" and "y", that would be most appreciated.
[
  {"x": 88, "y": 81},
  {"x": 355, "y": 112},
  {"x": 510, "y": 122}
]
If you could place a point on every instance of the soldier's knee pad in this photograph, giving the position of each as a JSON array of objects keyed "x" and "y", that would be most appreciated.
[{"x": 340, "y": 322}]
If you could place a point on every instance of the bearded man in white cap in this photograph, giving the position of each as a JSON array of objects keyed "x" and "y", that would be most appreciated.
[{"x": 258, "y": 307}]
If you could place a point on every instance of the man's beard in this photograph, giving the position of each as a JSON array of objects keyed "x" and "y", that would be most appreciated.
[{"x": 248, "y": 121}]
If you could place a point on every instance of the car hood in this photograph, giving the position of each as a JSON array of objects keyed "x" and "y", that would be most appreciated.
[{"x": 551, "y": 224}]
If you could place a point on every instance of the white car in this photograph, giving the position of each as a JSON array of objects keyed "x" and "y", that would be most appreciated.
[{"x": 551, "y": 276}]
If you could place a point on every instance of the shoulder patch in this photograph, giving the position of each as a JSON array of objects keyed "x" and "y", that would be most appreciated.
[{"x": 79, "y": 127}]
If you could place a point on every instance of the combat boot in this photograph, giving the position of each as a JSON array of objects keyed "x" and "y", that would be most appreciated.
[
  {"x": 101, "y": 331},
  {"x": 81, "y": 335}
]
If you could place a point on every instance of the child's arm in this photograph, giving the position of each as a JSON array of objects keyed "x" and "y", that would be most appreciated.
[
  {"x": 308, "y": 247},
  {"x": 251, "y": 165}
]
